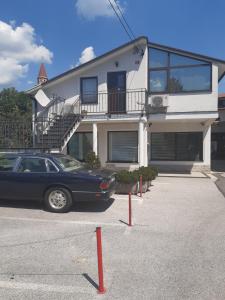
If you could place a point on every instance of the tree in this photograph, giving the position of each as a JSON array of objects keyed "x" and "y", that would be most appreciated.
[{"x": 15, "y": 105}]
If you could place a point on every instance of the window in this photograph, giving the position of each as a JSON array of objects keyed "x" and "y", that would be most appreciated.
[
  {"x": 7, "y": 162},
  {"x": 158, "y": 58},
  {"x": 80, "y": 145},
  {"x": 123, "y": 146},
  {"x": 89, "y": 90},
  {"x": 51, "y": 167},
  {"x": 30, "y": 164},
  {"x": 177, "y": 146},
  {"x": 158, "y": 81},
  {"x": 67, "y": 163},
  {"x": 190, "y": 79},
  {"x": 173, "y": 73}
]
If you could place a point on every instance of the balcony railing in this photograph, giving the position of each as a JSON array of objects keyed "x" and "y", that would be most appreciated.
[{"x": 115, "y": 102}]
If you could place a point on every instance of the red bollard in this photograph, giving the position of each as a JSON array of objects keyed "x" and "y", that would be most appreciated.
[
  {"x": 130, "y": 211},
  {"x": 101, "y": 289},
  {"x": 141, "y": 186}
]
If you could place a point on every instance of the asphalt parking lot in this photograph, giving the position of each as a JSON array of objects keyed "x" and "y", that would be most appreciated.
[{"x": 175, "y": 250}]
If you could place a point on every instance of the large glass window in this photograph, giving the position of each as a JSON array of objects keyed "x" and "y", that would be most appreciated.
[
  {"x": 173, "y": 73},
  {"x": 190, "y": 79},
  {"x": 89, "y": 90},
  {"x": 179, "y": 146},
  {"x": 123, "y": 146},
  {"x": 80, "y": 145}
]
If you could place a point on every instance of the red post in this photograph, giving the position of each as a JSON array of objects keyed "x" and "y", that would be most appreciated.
[
  {"x": 141, "y": 186},
  {"x": 101, "y": 289},
  {"x": 130, "y": 211}
]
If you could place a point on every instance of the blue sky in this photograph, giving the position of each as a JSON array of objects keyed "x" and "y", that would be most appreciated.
[{"x": 58, "y": 31}]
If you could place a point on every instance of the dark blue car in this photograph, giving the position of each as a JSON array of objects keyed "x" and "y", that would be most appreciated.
[{"x": 55, "y": 179}]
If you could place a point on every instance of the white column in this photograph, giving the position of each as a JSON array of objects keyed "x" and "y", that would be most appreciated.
[
  {"x": 141, "y": 143},
  {"x": 95, "y": 138},
  {"x": 207, "y": 145},
  {"x": 146, "y": 145}
]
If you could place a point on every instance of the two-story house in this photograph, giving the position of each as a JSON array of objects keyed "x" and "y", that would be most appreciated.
[{"x": 141, "y": 103}]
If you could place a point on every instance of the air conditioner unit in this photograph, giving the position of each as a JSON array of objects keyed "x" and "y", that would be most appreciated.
[{"x": 158, "y": 101}]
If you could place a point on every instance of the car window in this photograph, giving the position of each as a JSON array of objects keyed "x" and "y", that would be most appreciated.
[
  {"x": 30, "y": 164},
  {"x": 51, "y": 167},
  {"x": 7, "y": 162},
  {"x": 68, "y": 163}
]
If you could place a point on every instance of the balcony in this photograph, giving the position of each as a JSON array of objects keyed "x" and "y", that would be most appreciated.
[{"x": 113, "y": 103}]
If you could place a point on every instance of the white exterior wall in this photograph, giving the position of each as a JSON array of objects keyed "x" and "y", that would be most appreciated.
[{"x": 134, "y": 64}]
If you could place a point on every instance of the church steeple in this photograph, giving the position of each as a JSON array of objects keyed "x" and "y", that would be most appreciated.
[{"x": 42, "y": 76}]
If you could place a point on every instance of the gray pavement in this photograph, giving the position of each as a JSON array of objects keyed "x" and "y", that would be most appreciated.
[{"x": 175, "y": 250}]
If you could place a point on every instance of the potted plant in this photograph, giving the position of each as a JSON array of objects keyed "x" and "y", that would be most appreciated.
[
  {"x": 148, "y": 174},
  {"x": 126, "y": 182},
  {"x": 92, "y": 161}
]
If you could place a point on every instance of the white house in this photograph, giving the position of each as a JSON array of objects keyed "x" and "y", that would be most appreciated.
[{"x": 141, "y": 103}]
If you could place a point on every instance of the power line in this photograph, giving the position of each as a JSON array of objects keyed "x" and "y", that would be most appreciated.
[
  {"x": 124, "y": 27},
  {"x": 124, "y": 19}
]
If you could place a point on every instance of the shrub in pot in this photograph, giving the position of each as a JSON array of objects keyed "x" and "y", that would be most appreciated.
[
  {"x": 148, "y": 174},
  {"x": 126, "y": 182}
]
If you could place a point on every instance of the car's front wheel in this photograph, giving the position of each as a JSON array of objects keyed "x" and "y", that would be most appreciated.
[{"x": 58, "y": 199}]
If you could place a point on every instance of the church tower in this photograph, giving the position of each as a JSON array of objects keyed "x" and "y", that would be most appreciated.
[{"x": 42, "y": 76}]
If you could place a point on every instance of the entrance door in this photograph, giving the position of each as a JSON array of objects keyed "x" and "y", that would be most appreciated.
[{"x": 116, "y": 83}]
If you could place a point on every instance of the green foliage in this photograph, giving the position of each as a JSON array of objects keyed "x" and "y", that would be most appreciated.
[
  {"x": 15, "y": 105},
  {"x": 148, "y": 174},
  {"x": 92, "y": 161},
  {"x": 125, "y": 176}
]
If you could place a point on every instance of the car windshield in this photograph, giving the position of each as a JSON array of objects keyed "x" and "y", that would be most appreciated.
[{"x": 68, "y": 163}]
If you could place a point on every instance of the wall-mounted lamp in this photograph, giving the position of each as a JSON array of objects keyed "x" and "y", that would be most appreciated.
[{"x": 117, "y": 64}]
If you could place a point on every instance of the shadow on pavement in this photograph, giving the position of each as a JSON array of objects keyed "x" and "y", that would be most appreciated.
[{"x": 94, "y": 206}]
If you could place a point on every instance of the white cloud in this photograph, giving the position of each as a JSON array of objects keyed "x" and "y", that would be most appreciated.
[
  {"x": 11, "y": 70},
  {"x": 91, "y": 9},
  {"x": 18, "y": 48},
  {"x": 86, "y": 55}
]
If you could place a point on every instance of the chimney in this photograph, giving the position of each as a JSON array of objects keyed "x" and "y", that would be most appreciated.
[{"x": 42, "y": 76}]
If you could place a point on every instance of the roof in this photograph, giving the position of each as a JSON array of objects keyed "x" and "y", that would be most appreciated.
[
  {"x": 220, "y": 63},
  {"x": 42, "y": 72}
]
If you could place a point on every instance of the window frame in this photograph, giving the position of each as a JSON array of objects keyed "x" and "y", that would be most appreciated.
[
  {"x": 81, "y": 90},
  {"x": 80, "y": 132},
  {"x": 120, "y": 161},
  {"x": 32, "y": 172},
  {"x": 168, "y": 68},
  {"x": 179, "y": 160}
]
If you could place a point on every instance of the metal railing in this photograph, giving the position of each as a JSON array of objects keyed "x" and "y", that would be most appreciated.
[
  {"x": 16, "y": 134},
  {"x": 114, "y": 102}
]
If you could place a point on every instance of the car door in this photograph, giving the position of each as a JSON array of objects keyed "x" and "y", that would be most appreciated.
[
  {"x": 31, "y": 178},
  {"x": 7, "y": 165}
]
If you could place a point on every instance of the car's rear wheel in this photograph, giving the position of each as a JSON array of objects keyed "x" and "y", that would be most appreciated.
[{"x": 58, "y": 199}]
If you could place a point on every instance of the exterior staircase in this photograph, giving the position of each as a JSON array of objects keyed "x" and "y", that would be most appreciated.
[
  {"x": 54, "y": 134},
  {"x": 57, "y": 124}
]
